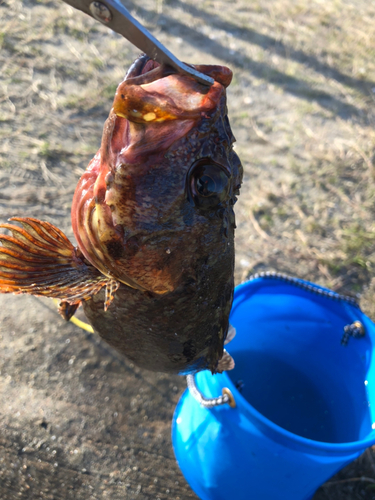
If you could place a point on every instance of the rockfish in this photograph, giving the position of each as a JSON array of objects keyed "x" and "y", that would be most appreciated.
[{"x": 154, "y": 222}]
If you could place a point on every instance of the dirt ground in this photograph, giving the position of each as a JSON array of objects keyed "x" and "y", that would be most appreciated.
[{"x": 76, "y": 421}]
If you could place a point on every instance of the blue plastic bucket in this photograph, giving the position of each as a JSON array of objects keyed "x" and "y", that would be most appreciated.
[{"x": 305, "y": 404}]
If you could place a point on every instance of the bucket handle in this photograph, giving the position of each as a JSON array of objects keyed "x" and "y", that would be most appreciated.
[
  {"x": 305, "y": 285},
  {"x": 225, "y": 398}
]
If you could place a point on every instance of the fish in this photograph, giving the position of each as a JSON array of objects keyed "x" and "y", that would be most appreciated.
[{"x": 154, "y": 222}]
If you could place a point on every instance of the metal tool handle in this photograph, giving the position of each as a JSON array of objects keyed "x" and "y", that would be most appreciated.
[{"x": 115, "y": 16}]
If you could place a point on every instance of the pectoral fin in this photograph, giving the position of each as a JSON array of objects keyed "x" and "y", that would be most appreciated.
[{"x": 38, "y": 259}]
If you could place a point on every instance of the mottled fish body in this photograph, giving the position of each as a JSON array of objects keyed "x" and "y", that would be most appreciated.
[{"x": 154, "y": 222}]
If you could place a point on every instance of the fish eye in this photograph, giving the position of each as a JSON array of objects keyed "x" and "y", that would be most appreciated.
[
  {"x": 206, "y": 185},
  {"x": 209, "y": 184}
]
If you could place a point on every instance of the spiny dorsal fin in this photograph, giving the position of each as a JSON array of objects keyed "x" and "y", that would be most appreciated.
[{"x": 40, "y": 260}]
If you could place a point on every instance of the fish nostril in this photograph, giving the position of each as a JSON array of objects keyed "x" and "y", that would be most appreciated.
[{"x": 109, "y": 179}]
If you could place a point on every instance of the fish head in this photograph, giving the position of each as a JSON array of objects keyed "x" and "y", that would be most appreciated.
[{"x": 154, "y": 210}]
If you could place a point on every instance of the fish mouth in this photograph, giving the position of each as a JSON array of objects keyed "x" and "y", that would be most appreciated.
[
  {"x": 146, "y": 70},
  {"x": 156, "y": 93}
]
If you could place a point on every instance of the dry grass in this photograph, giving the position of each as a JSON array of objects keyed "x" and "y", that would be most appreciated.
[{"x": 302, "y": 106}]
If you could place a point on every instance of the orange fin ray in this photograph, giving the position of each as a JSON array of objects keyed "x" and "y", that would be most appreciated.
[
  {"x": 39, "y": 259},
  {"x": 110, "y": 290},
  {"x": 37, "y": 240}
]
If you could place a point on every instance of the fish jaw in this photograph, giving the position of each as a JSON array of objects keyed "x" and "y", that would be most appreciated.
[{"x": 157, "y": 114}]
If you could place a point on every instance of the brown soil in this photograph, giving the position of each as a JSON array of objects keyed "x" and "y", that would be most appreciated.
[{"x": 76, "y": 421}]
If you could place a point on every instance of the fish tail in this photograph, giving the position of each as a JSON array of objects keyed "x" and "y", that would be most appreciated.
[{"x": 38, "y": 259}]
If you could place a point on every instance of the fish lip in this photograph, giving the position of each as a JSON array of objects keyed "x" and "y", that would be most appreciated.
[
  {"x": 139, "y": 74},
  {"x": 137, "y": 66}
]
